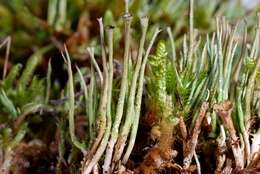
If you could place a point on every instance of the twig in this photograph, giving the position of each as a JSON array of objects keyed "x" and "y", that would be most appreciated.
[
  {"x": 95, "y": 169},
  {"x": 221, "y": 156},
  {"x": 197, "y": 162},
  {"x": 228, "y": 167},
  {"x": 224, "y": 111},
  {"x": 183, "y": 128},
  {"x": 191, "y": 144},
  {"x": 184, "y": 132}
]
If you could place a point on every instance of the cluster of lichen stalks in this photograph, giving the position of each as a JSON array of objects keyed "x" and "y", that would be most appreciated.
[
  {"x": 113, "y": 137},
  {"x": 210, "y": 83}
]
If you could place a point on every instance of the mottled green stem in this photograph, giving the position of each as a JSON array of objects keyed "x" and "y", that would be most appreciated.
[
  {"x": 6, "y": 42},
  {"x": 102, "y": 110},
  {"x": 52, "y": 5},
  {"x": 92, "y": 57},
  {"x": 122, "y": 95},
  {"x": 131, "y": 98},
  {"x": 48, "y": 82},
  {"x": 109, "y": 81},
  {"x": 72, "y": 105},
  {"x": 191, "y": 32},
  {"x": 138, "y": 100}
]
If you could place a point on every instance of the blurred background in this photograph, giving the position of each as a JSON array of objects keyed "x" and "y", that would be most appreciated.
[
  {"x": 44, "y": 26},
  {"x": 33, "y": 24}
]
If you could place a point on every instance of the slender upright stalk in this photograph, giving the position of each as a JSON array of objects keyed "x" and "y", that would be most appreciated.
[
  {"x": 103, "y": 50},
  {"x": 72, "y": 105},
  {"x": 91, "y": 53},
  {"x": 52, "y": 5},
  {"x": 255, "y": 47},
  {"x": 85, "y": 90},
  {"x": 48, "y": 82},
  {"x": 6, "y": 42},
  {"x": 250, "y": 95},
  {"x": 122, "y": 96},
  {"x": 197, "y": 162},
  {"x": 174, "y": 63},
  {"x": 102, "y": 110},
  {"x": 247, "y": 117},
  {"x": 130, "y": 105},
  {"x": 91, "y": 104},
  {"x": 110, "y": 45},
  {"x": 99, "y": 152},
  {"x": 138, "y": 102},
  {"x": 126, "y": 7},
  {"x": 243, "y": 54},
  {"x": 62, "y": 15},
  {"x": 110, "y": 72},
  {"x": 219, "y": 55},
  {"x": 172, "y": 44},
  {"x": 191, "y": 32},
  {"x": 228, "y": 62}
]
